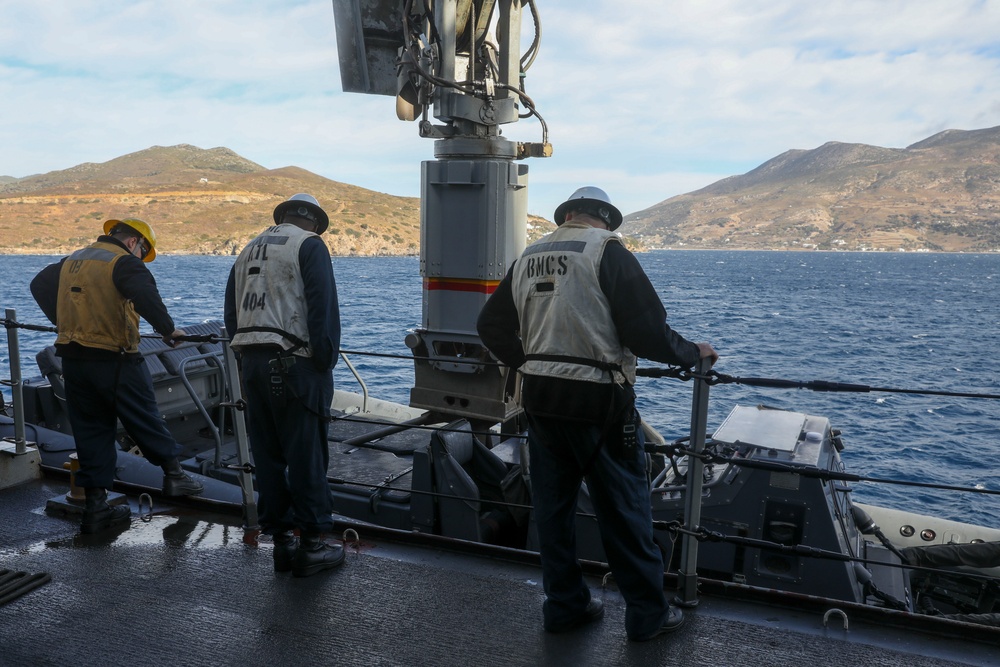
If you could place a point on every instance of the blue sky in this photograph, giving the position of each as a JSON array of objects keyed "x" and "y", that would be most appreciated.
[{"x": 645, "y": 98}]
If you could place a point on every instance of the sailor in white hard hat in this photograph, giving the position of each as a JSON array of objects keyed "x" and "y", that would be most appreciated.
[
  {"x": 571, "y": 315},
  {"x": 281, "y": 308},
  {"x": 593, "y": 201}
]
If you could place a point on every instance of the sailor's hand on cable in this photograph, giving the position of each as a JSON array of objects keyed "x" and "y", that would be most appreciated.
[
  {"x": 171, "y": 340},
  {"x": 706, "y": 351}
]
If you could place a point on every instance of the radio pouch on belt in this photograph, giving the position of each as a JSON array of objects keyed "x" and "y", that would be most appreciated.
[
  {"x": 621, "y": 432},
  {"x": 630, "y": 436},
  {"x": 278, "y": 390},
  {"x": 279, "y": 398}
]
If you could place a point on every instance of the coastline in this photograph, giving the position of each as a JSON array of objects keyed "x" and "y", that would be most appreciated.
[{"x": 58, "y": 252}]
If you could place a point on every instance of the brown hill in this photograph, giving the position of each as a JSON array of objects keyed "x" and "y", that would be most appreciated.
[
  {"x": 942, "y": 193},
  {"x": 198, "y": 201}
]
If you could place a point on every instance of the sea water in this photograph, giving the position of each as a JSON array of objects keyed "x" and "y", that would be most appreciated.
[{"x": 896, "y": 321}]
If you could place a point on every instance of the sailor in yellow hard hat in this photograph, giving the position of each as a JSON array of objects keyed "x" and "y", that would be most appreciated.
[
  {"x": 133, "y": 229},
  {"x": 95, "y": 297}
]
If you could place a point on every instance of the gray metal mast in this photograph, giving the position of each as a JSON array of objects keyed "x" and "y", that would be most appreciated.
[{"x": 460, "y": 61}]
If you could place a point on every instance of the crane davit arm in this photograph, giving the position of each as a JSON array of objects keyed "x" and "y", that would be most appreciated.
[{"x": 457, "y": 66}]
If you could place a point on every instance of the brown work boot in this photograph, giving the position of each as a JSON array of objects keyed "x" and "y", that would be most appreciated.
[{"x": 98, "y": 515}]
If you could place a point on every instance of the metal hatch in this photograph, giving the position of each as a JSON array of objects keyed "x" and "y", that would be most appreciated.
[{"x": 762, "y": 427}]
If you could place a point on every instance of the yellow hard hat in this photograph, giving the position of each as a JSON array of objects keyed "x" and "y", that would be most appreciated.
[{"x": 142, "y": 228}]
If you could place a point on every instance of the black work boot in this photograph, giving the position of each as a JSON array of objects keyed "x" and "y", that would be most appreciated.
[
  {"x": 98, "y": 515},
  {"x": 177, "y": 483},
  {"x": 284, "y": 550},
  {"x": 314, "y": 555}
]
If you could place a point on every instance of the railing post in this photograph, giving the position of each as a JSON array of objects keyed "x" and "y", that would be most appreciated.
[
  {"x": 687, "y": 590},
  {"x": 17, "y": 396},
  {"x": 357, "y": 376},
  {"x": 19, "y": 462},
  {"x": 240, "y": 431}
]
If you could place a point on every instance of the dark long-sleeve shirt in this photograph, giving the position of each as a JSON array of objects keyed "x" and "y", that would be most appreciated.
[
  {"x": 640, "y": 320},
  {"x": 322, "y": 305}
]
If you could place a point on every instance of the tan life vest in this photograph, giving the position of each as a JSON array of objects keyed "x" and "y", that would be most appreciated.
[{"x": 90, "y": 310}]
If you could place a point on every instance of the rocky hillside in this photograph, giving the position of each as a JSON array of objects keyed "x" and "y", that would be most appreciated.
[
  {"x": 199, "y": 202},
  {"x": 942, "y": 193}
]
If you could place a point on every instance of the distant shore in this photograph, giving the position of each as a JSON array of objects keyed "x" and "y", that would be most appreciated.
[{"x": 63, "y": 252}]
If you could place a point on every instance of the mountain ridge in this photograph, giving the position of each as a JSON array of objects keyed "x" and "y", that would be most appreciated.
[
  {"x": 199, "y": 201},
  {"x": 941, "y": 193}
]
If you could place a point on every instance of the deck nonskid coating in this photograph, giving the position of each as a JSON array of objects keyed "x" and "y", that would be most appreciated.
[{"x": 185, "y": 589}]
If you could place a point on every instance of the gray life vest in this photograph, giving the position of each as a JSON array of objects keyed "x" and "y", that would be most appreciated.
[
  {"x": 566, "y": 326},
  {"x": 270, "y": 297}
]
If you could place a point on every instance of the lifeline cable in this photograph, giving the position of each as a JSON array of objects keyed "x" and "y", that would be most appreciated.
[
  {"x": 14, "y": 324},
  {"x": 426, "y": 427},
  {"x": 673, "y": 450},
  {"x": 413, "y": 357},
  {"x": 380, "y": 488},
  {"x": 192, "y": 338},
  {"x": 187, "y": 338},
  {"x": 714, "y": 378},
  {"x": 675, "y": 528}
]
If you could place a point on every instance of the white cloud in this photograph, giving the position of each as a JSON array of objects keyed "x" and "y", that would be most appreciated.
[{"x": 645, "y": 98}]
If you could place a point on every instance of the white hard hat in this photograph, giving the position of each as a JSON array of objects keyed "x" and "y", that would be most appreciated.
[
  {"x": 592, "y": 201},
  {"x": 304, "y": 206}
]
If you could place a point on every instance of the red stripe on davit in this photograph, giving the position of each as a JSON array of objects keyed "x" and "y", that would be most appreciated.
[{"x": 461, "y": 285}]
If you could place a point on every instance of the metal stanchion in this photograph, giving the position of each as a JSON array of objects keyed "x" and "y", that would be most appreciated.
[
  {"x": 17, "y": 396},
  {"x": 242, "y": 442},
  {"x": 687, "y": 590},
  {"x": 19, "y": 461}
]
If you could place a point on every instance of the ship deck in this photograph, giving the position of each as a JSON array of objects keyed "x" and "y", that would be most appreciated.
[{"x": 183, "y": 587}]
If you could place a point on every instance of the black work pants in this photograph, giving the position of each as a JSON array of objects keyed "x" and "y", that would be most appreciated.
[
  {"x": 98, "y": 394},
  {"x": 287, "y": 432}
]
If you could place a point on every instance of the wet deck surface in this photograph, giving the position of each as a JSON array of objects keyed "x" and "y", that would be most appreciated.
[{"x": 185, "y": 589}]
